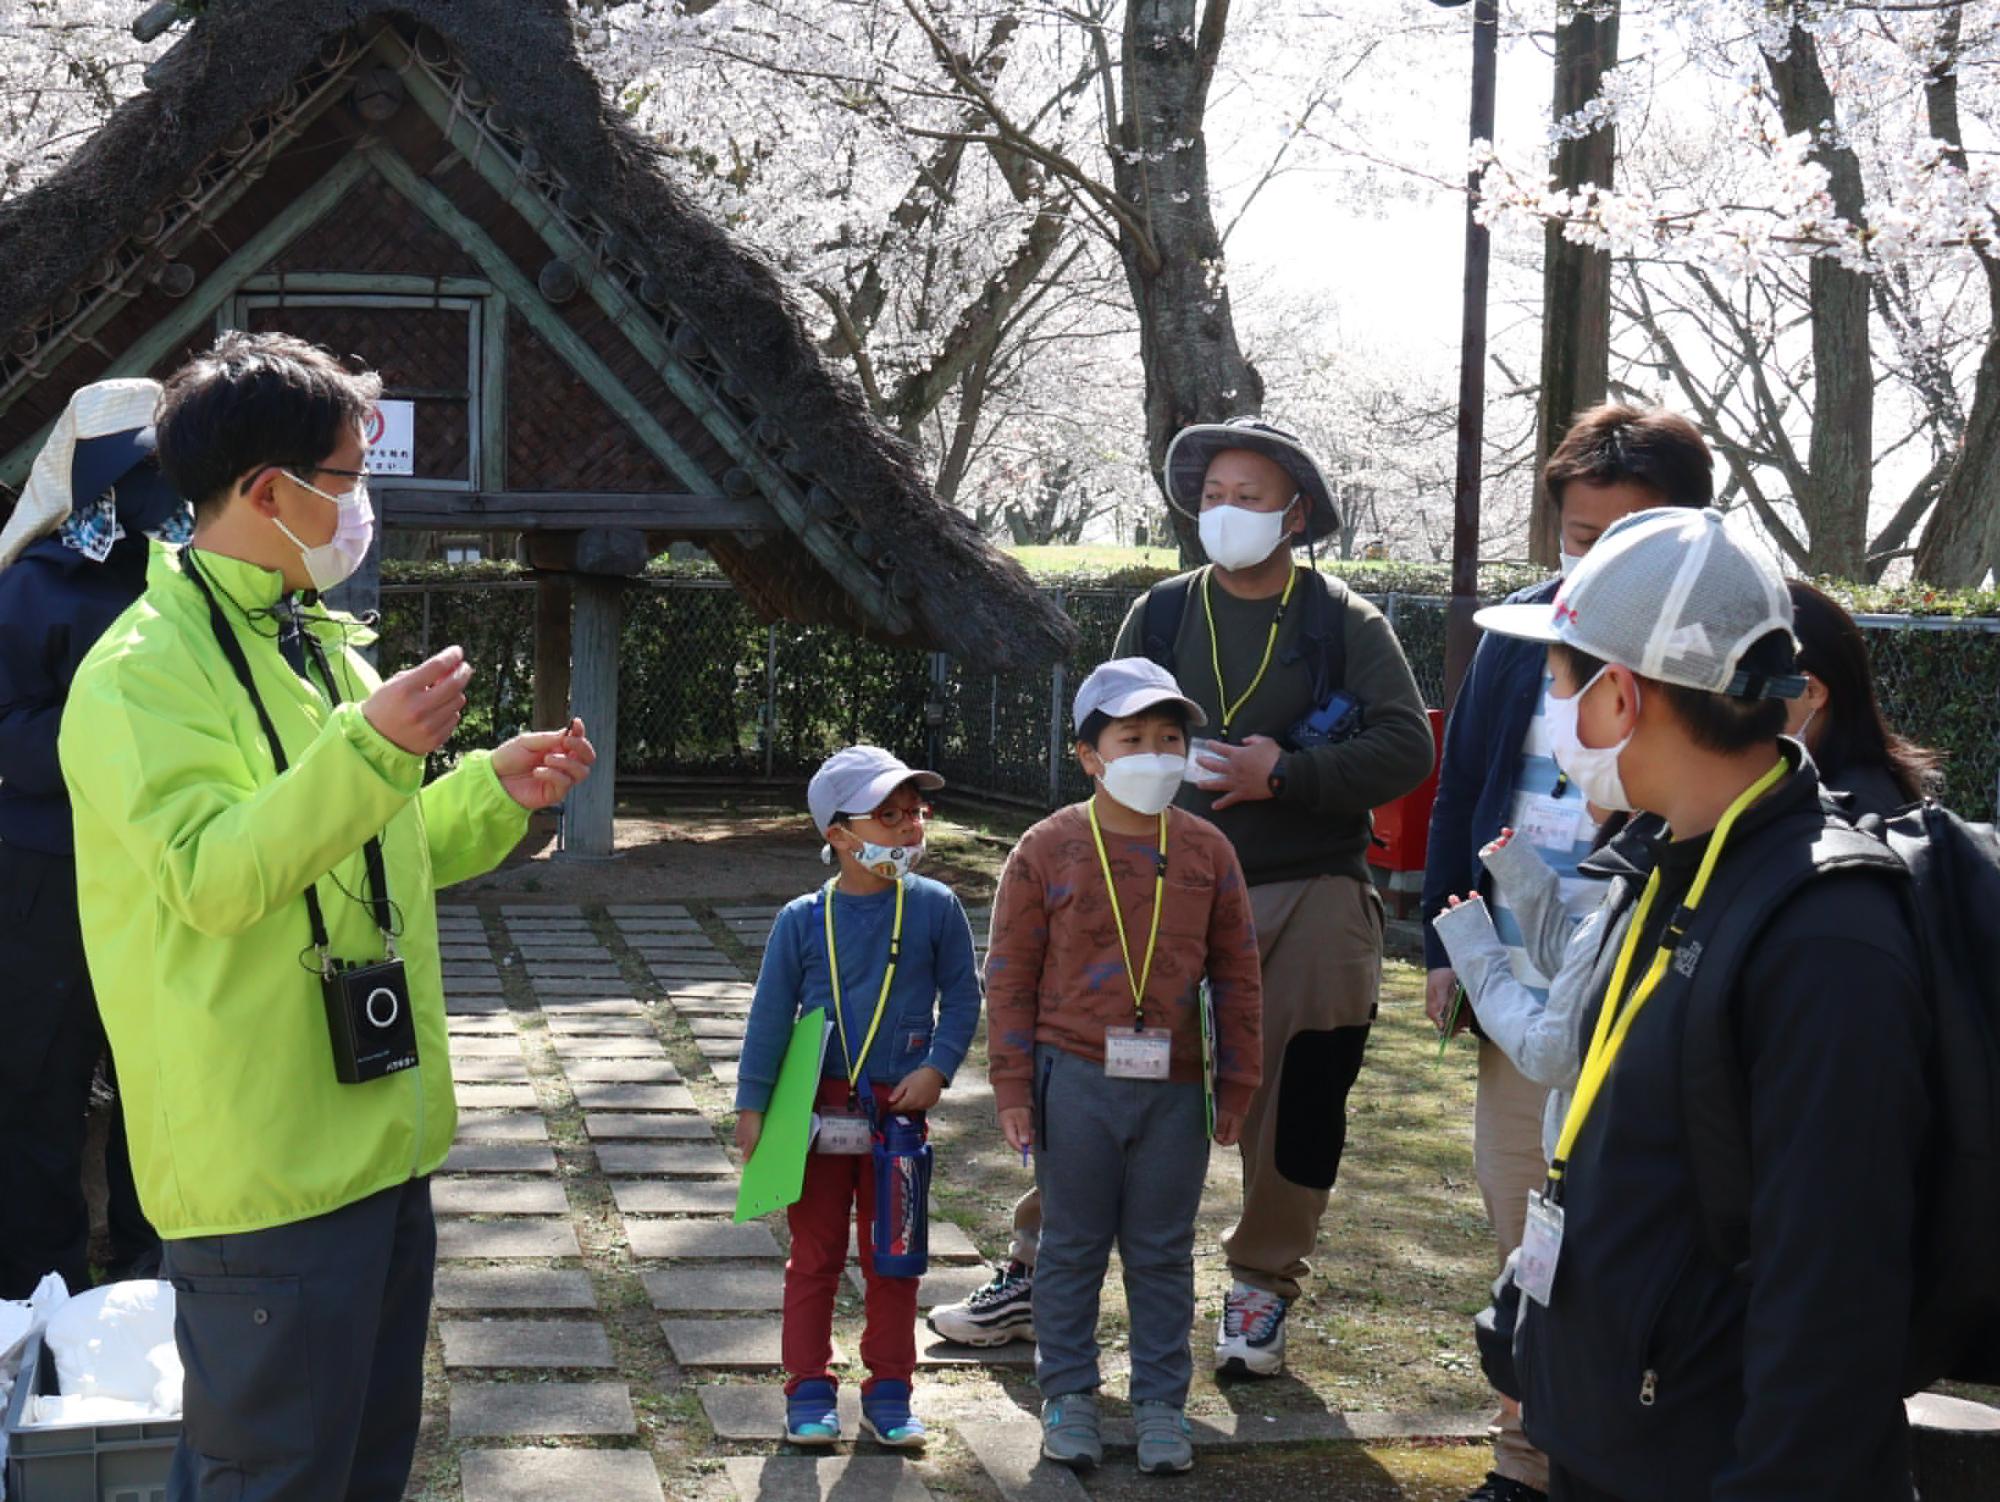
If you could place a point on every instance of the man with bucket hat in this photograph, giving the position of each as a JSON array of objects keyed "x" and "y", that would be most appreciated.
[
  {"x": 1313, "y": 721},
  {"x": 1652, "y": 1363},
  {"x": 72, "y": 557}
]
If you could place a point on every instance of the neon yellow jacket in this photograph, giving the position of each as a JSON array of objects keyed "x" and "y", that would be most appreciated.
[{"x": 192, "y": 859}]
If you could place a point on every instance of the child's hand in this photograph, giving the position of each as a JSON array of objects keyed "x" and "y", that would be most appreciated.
[
  {"x": 919, "y": 1091},
  {"x": 1228, "y": 1128},
  {"x": 749, "y": 1128},
  {"x": 1499, "y": 842},
  {"x": 1017, "y": 1123}
]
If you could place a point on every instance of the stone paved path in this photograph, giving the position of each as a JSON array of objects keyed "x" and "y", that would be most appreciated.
[{"x": 594, "y": 1054}]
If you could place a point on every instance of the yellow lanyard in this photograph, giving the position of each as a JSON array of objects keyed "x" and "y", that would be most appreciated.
[
  {"x": 888, "y": 979},
  {"x": 1614, "y": 1023},
  {"x": 1229, "y": 711},
  {"x": 1138, "y": 980}
]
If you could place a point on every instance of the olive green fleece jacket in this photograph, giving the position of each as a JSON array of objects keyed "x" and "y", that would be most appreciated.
[{"x": 1321, "y": 826}]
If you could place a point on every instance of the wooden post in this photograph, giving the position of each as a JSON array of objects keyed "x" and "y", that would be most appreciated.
[
  {"x": 552, "y": 639},
  {"x": 594, "y": 695}
]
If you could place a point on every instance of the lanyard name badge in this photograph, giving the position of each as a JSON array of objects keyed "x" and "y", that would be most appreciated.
[
  {"x": 1143, "y": 1053},
  {"x": 848, "y": 1133},
  {"x": 1541, "y": 1243},
  {"x": 368, "y": 1017}
]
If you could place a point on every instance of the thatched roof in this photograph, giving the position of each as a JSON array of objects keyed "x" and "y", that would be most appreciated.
[{"x": 240, "y": 56}]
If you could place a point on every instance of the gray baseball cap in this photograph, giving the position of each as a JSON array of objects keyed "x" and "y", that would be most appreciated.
[
  {"x": 1127, "y": 685},
  {"x": 858, "y": 780},
  {"x": 1675, "y": 596},
  {"x": 1194, "y": 449}
]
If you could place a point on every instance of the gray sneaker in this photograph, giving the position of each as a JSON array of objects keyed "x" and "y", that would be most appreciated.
[
  {"x": 1069, "y": 1431},
  {"x": 1164, "y": 1448}
]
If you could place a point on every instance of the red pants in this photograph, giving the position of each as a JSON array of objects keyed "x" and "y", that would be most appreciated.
[{"x": 840, "y": 1191}]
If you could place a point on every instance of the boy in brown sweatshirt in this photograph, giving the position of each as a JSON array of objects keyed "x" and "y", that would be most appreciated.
[{"x": 1108, "y": 916}]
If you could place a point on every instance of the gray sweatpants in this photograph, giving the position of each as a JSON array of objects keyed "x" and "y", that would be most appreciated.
[{"x": 1123, "y": 1161}]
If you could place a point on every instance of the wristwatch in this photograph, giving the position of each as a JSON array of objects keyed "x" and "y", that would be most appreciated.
[{"x": 1277, "y": 779}]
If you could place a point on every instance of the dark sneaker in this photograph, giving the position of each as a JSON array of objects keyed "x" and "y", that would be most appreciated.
[
  {"x": 1001, "y": 1311},
  {"x": 812, "y": 1414},
  {"x": 885, "y": 1414},
  {"x": 1498, "y": 1488}
]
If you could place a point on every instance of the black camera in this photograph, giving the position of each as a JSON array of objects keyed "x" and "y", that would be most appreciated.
[{"x": 368, "y": 1016}]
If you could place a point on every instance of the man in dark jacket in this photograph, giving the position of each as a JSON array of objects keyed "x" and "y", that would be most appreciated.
[
  {"x": 72, "y": 558},
  {"x": 1654, "y": 1366},
  {"x": 1496, "y": 772}
]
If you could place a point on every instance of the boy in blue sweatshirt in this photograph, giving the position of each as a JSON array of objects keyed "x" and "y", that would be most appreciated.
[{"x": 888, "y": 956}]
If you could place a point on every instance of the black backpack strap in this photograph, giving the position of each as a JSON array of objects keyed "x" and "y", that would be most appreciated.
[
  {"x": 1166, "y": 604},
  {"x": 1715, "y": 1107},
  {"x": 1325, "y": 636}
]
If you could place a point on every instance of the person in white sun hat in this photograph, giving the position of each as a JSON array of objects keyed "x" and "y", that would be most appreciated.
[
  {"x": 72, "y": 557},
  {"x": 1652, "y": 1361}
]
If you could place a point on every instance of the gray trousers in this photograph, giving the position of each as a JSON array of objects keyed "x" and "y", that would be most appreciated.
[
  {"x": 304, "y": 1352},
  {"x": 1116, "y": 1161}
]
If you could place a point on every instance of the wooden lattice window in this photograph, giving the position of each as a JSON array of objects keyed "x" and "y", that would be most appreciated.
[{"x": 427, "y": 349}]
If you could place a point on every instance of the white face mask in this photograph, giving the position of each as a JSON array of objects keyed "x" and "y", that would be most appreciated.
[
  {"x": 890, "y": 862},
  {"x": 1593, "y": 769},
  {"x": 1569, "y": 562},
  {"x": 1146, "y": 784},
  {"x": 334, "y": 561},
  {"x": 1235, "y": 537}
]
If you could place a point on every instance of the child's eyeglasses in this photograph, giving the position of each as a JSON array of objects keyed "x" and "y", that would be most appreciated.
[{"x": 896, "y": 818}]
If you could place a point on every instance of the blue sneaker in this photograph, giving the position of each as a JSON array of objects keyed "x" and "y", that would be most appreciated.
[
  {"x": 812, "y": 1414},
  {"x": 886, "y": 1416}
]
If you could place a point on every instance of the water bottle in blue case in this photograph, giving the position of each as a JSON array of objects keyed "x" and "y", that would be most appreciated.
[{"x": 902, "y": 1197}]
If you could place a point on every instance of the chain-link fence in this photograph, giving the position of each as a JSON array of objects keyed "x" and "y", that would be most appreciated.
[{"x": 706, "y": 690}]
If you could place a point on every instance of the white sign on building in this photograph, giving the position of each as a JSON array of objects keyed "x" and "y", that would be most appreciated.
[{"x": 391, "y": 435}]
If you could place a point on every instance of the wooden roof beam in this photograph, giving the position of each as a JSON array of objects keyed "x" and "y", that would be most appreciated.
[{"x": 418, "y": 509}]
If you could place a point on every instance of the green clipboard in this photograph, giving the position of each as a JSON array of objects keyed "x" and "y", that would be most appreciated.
[
  {"x": 1458, "y": 1001},
  {"x": 775, "y": 1176}
]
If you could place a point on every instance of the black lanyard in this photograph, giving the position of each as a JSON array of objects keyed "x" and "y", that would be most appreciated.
[{"x": 378, "y": 878}]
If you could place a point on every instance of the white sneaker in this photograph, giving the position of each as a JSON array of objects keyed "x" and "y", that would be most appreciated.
[
  {"x": 1250, "y": 1342},
  {"x": 1001, "y": 1311}
]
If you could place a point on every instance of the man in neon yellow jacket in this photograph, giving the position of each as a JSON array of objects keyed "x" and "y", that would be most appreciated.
[{"x": 222, "y": 880}]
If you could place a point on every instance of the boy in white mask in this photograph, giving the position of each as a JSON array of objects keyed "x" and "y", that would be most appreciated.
[{"x": 1108, "y": 915}]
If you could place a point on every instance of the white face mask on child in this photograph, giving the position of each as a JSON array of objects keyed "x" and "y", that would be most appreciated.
[
  {"x": 1146, "y": 784},
  {"x": 890, "y": 862},
  {"x": 1594, "y": 769}
]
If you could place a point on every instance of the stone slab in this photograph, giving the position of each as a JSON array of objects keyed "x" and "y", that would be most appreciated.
[
  {"x": 462, "y": 973},
  {"x": 500, "y": 1157},
  {"x": 549, "y": 1236},
  {"x": 570, "y": 1046},
  {"x": 800, "y": 1478},
  {"x": 724, "y": 1071},
  {"x": 497, "y": 1409},
  {"x": 593, "y": 1096},
  {"x": 948, "y": 1243},
  {"x": 658, "y": 1071},
  {"x": 493, "y": 1045},
  {"x": 540, "y": 910},
  {"x": 730, "y": 1345},
  {"x": 501, "y": 1126},
  {"x": 514, "y": 1288},
  {"x": 601, "y": 1027},
  {"x": 716, "y": 988},
  {"x": 680, "y": 1159},
  {"x": 537, "y": 1475},
  {"x": 614, "y": 1125},
  {"x": 464, "y": 1001},
  {"x": 1010, "y": 1453},
  {"x": 487, "y": 1026},
  {"x": 497, "y": 1097},
  {"x": 491, "y": 1196},
  {"x": 531, "y": 1344},
  {"x": 492, "y": 1069},
  {"x": 606, "y": 974},
  {"x": 648, "y": 910},
  {"x": 668, "y": 941},
  {"x": 712, "y": 1006},
  {"x": 941, "y": 1285},
  {"x": 581, "y": 951},
  {"x": 717, "y": 1289},
  {"x": 608, "y": 1006},
  {"x": 746, "y": 1411},
  {"x": 701, "y": 1240},
  {"x": 724, "y": 1049},
  {"x": 674, "y": 1196},
  {"x": 671, "y": 975},
  {"x": 570, "y": 988},
  {"x": 716, "y": 1027},
  {"x": 450, "y": 952}
]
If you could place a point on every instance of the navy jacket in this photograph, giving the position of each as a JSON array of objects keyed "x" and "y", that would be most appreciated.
[
  {"x": 54, "y": 604},
  {"x": 1482, "y": 748}
]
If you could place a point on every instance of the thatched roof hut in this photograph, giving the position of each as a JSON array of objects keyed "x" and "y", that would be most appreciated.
[{"x": 439, "y": 187}]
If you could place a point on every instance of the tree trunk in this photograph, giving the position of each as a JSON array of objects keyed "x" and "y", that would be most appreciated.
[
  {"x": 1195, "y": 370},
  {"x": 1576, "y": 279},
  {"x": 1840, "y": 458}
]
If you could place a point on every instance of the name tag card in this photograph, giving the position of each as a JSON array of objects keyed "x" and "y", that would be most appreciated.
[
  {"x": 1541, "y": 1249},
  {"x": 843, "y": 1134},
  {"x": 1550, "y": 823},
  {"x": 1147, "y": 1054}
]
